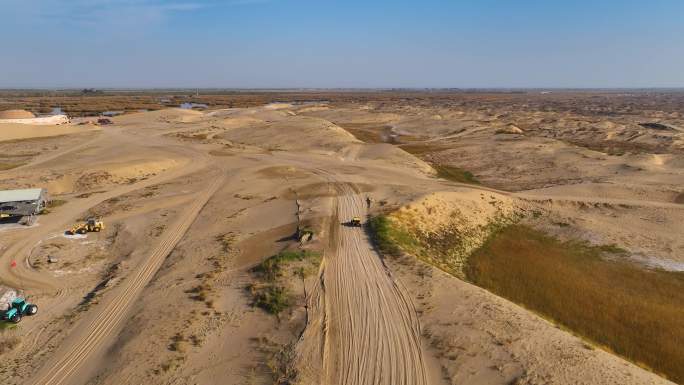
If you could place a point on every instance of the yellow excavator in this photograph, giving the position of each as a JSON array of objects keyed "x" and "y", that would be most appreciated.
[{"x": 90, "y": 225}]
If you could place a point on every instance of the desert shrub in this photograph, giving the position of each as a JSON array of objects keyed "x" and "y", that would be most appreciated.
[
  {"x": 455, "y": 174},
  {"x": 633, "y": 311},
  {"x": 270, "y": 297},
  {"x": 178, "y": 343}
]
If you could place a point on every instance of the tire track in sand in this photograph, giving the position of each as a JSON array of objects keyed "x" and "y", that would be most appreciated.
[
  {"x": 102, "y": 326},
  {"x": 371, "y": 333}
]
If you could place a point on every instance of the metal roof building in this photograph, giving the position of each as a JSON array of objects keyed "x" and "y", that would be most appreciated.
[
  {"x": 28, "y": 194},
  {"x": 21, "y": 203}
]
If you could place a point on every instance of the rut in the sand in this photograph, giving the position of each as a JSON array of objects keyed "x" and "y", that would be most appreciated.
[{"x": 372, "y": 331}]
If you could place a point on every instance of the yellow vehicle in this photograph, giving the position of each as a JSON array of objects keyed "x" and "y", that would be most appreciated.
[
  {"x": 355, "y": 222},
  {"x": 91, "y": 225}
]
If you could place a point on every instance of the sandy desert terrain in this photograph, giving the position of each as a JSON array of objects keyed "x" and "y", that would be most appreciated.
[{"x": 227, "y": 257}]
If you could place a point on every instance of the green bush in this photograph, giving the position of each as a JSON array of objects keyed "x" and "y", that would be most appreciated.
[
  {"x": 455, "y": 174},
  {"x": 272, "y": 298}
]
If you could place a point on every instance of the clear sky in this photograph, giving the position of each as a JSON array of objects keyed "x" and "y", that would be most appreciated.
[{"x": 301, "y": 43}]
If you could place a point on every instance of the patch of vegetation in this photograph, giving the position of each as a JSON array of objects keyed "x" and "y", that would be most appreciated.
[
  {"x": 633, "y": 311},
  {"x": 365, "y": 135},
  {"x": 421, "y": 150},
  {"x": 7, "y": 326},
  {"x": 305, "y": 234},
  {"x": 52, "y": 203},
  {"x": 452, "y": 173},
  {"x": 447, "y": 249},
  {"x": 272, "y": 298},
  {"x": 178, "y": 343},
  {"x": 388, "y": 238},
  {"x": 278, "y": 359},
  {"x": 8, "y": 166},
  {"x": 455, "y": 174},
  {"x": 680, "y": 198},
  {"x": 270, "y": 292},
  {"x": 171, "y": 364},
  {"x": 200, "y": 292},
  {"x": 272, "y": 267},
  {"x": 226, "y": 240},
  {"x": 8, "y": 342}
]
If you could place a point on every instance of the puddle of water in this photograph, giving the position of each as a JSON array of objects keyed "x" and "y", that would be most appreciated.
[
  {"x": 190, "y": 106},
  {"x": 112, "y": 113}
]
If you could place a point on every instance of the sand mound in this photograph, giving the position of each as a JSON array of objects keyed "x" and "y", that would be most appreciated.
[
  {"x": 277, "y": 106},
  {"x": 17, "y": 131},
  {"x": 293, "y": 133},
  {"x": 108, "y": 174},
  {"x": 449, "y": 226},
  {"x": 313, "y": 109},
  {"x": 16, "y": 114},
  {"x": 510, "y": 129}
]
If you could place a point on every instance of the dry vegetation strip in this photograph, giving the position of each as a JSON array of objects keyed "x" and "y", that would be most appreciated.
[
  {"x": 9, "y": 340},
  {"x": 455, "y": 174},
  {"x": 364, "y": 133},
  {"x": 444, "y": 171},
  {"x": 8, "y": 166},
  {"x": 633, "y": 311},
  {"x": 270, "y": 292}
]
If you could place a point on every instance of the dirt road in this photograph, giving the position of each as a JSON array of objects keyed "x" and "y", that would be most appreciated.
[
  {"x": 104, "y": 323},
  {"x": 371, "y": 333}
]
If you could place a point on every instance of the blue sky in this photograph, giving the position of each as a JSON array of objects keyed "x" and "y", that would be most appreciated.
[{"x": 300, "y": 43}]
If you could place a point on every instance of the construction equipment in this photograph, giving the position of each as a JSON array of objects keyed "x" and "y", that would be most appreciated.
[
  {"x": 355, "y": 222},
  {"x": 89, "y": 226},
  {"x": 13, "y": 308}
]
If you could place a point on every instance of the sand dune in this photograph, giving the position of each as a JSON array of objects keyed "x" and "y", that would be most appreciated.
[{"x": 15, "y": 131}]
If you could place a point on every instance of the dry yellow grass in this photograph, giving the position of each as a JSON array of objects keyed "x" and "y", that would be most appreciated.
[
  {"x": 633, "y": 311},
  {"x": 8, "y": 166}
]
